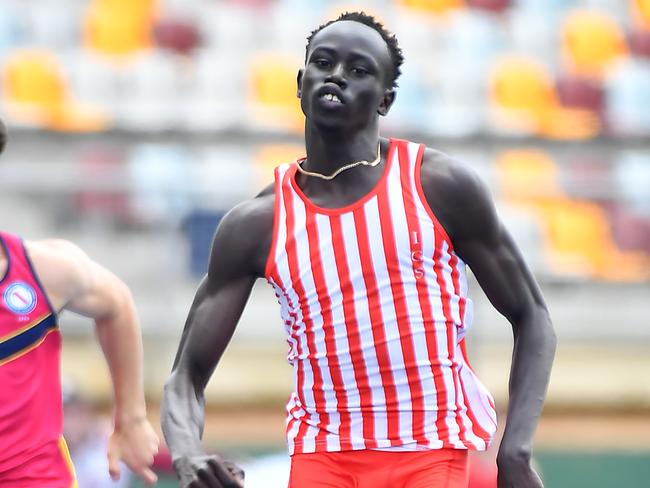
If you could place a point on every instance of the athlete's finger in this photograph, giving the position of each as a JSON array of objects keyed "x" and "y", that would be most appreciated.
[
  {"x": 148, "y": 476},
  {"x": 235, "y": 470},
  {"x": 113, "y": 465},
  {"x": 197, "y": 483},
  {"x": 227, "y": 479},
  {"x": 207, "y": 475}
]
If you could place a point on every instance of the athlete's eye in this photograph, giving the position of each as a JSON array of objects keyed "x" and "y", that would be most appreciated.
[
  {"x": 321, "y": 62},
  {"x": 359, "y": 71}
]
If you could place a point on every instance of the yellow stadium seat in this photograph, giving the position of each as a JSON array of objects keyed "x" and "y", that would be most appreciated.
[
  {"x": 273, "y": 91},
  {"x": 432, "y": 6},
  {"x": 33, "y": 76},
  {"x": 36, "y": 93},
  {"x": 524, "y": 101},
  {"x": 522, "y": 94},
  {"x": 641, "y": 12},
  {"x": 119, "y": 27},
  {"x": 267, "y": 157},
  {"x": 527, "y": 175},
  {"x": 579, "y": 242},
  {"x": 591, "y": 41}
]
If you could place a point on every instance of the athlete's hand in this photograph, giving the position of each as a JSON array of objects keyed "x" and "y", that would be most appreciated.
[
  {"x": 208, "y": 472},
  {"x": 517, "y": 473},
  {"x": 135, "y": 444}
]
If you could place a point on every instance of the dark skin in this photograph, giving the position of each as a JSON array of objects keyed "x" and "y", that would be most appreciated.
[
  {"x": 352, "y": 61},
  {"x": 3, "y": 136}
]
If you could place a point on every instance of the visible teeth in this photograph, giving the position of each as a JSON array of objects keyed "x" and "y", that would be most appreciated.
[{"x": 331, "y": 97}]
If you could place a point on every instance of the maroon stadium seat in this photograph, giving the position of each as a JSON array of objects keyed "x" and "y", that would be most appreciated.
[
  {"x": 178, "y": 35},
  {"x": 640, "y": 43},
  {"x": 580, "y": 92},
  {"x": 491, "y": 5}
]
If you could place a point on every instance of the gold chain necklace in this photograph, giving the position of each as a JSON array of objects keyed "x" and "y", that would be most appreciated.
[{"x": 343, "y": 168}]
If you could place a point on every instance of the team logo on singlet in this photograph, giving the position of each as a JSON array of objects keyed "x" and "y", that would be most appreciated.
[{"x": 20, "y": 298}]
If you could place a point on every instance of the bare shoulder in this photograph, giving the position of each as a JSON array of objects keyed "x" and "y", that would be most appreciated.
[
  {"x": 56, "y": 254},
  {"x": 244, "y": 235},
  {"x": 250, "y": 220},
  {"x": 62, "y": 267},
  {"x": 450, "y": 175},
  {"x": 456, "y": 194}
]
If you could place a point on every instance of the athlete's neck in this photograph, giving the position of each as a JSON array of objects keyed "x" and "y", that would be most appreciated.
[{"x": 327, "y": 152}]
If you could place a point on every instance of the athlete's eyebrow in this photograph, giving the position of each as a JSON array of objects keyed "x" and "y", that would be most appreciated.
[
  {"x": 323, "y": 49},
  {"x": 362, "y": 56},
  {"x": 354, "y": 55}
]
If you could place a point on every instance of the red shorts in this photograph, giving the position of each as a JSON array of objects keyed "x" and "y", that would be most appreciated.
[
  {"x": 439, "y": 468},
  {"x": 50, "y": 467}
]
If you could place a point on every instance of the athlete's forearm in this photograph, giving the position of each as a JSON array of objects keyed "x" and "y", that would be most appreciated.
[
  {"x": 534, "y": 349},
  {"x": 182, "y": 416},
  {"x": 120, "y": 339}
]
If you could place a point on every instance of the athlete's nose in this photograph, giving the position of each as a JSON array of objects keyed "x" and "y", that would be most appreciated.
[{"x": 337, "y": 75}]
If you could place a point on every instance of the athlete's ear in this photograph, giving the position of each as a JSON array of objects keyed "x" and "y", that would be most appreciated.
[
  {"x": 299, "y": 81},
  {"x": 386, "y": 101}
]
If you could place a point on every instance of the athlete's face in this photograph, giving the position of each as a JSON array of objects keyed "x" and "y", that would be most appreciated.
[
  {"x": 3, "y": 136},
  {"x": 347, "y": 79}
]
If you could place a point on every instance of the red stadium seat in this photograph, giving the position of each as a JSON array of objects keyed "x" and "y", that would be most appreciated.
[
  {"x": 639, "y": 41},
  {"x": 497, "y": 6},
  {"x": 631, "y": 231},
  {"x": 178, "y": 35},
  {"x": 581, "y": 92}
]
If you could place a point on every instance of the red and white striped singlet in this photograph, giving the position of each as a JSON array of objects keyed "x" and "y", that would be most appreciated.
[{"x": 374, "y": 300}]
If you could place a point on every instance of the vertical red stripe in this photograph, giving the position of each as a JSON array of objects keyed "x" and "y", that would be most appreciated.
[
  {"x": 413, "y": 224},
  {"x": 354, "y": 337},
  {"x": 402, "y": 313},
  {"x": 271, "y": 265},
  {"x": 328, "y": 330},
  {"x": 449, "y": 325},
  {"x": 463, "y": 350},
  {"x": 296, "y": 282},
  {"x": 378, "y": 331},
  {"x": 476, "y": 426},
  {"x": 453, "y": 260},
  {"x": 292, "y": 419}
]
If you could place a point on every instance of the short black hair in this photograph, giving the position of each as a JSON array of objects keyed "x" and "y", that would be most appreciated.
[{"x": 391, "y": 41}]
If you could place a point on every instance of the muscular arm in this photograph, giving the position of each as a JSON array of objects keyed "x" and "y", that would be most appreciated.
[
  {"x": 75, "y": 282},
  {"x": 465, "y": 208},
  {"x": 238, "y": 253}
]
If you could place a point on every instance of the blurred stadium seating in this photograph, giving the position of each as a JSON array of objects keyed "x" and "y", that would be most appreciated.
[
  {"x": 572, "y": 41},
  {"x": 136, "y": 124}
]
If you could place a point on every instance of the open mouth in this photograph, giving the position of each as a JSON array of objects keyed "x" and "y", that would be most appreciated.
[{"x": 330, "y": 97}]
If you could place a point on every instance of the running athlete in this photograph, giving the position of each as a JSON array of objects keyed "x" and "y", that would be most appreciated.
[
  {"x": 365, "y": 243},
  {"x": 37, "y": 281}
]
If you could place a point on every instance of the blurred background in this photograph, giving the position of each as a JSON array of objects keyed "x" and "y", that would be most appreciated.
[{"x": 134, "y": 125}]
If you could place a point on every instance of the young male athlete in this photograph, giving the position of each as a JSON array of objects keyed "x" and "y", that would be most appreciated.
[
  {"x": 365, "y": 243},
  {"x": 37, "y": 281}
]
